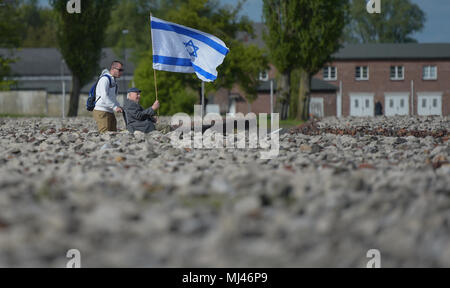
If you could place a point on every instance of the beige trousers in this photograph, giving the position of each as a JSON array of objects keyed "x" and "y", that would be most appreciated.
[{"x": 106, "y": 121}]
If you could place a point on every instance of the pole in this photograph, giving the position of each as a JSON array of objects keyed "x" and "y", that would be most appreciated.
[
  {"x": 124, "y": 32},
  {"x": 412, "y": 97},
  {"x": 339, "y": 101},
  {"x": 271, "y": 102},
  {"x": 64, "y": 100},
  {"x": 154, "y": 71},
  {"x": 203, "y": 98},
  {"x": 63, "y": 90},
  {"x": 156, "y": 86}
]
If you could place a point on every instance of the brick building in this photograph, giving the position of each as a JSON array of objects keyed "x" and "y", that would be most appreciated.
[
  {"x": 406, "y": 79},
  {"x": 234, "y": 100}
]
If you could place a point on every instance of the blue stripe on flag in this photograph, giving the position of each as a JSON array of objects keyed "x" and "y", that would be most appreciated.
[
  {"x": 204, "y": 73},
  {"x": 182, "y": 62},
  {"x": 200, "y": 37},
  {"x": 171, "y": 60}
]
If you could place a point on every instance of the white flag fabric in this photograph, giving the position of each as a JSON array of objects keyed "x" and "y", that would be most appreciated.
[{"x": 177, "y": 48}]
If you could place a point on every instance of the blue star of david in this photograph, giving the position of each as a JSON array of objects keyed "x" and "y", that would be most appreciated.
[{"x": 191, "y": 48}]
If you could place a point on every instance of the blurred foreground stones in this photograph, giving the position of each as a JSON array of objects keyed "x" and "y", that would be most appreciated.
[{"x": 336, "y": 190}]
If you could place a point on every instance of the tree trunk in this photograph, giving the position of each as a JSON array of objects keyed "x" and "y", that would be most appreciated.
[
  {"x": 285, "y": 94},
  {"x": 302, "y": 96},
  {"x": 307, "y": 98},
  {"x": 74, "y": 97}
]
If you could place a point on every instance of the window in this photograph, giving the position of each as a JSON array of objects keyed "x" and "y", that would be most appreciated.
[
  {"x": 397, "y": 72},
  {"x": 367, "y": 103},
  {"x": 424, "y": 103},
  {"x": 362, "y": 73},
  {"x": 391, "y": 103},
  {"x": 263, "y": 76},
  {"x": 402, "y": 103},
  {"x": 329, "y": 73},
  {"x": 356, "y": 103},
  {"x": 429, "y": 72},
  {"x": 435, "y": 103}
]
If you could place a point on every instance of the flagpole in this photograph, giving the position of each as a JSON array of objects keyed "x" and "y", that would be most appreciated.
[
  {"x": 203, "y": 98},
  {"x": 156, "y": 86},
  {"x": 154, "y": 71}
]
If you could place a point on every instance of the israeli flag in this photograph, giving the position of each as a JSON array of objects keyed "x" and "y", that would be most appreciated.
[{"x": 178, "y": 48}]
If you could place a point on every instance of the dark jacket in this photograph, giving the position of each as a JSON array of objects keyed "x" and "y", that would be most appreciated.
[{"x": 137, "y": 118}]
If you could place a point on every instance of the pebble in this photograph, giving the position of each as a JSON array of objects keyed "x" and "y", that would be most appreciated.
[{"x": 324, "y": 201}]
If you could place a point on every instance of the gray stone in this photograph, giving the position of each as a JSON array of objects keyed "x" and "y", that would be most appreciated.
[{"x": 323, "y": 201}]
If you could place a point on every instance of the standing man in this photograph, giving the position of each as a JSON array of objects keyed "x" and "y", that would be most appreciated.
[{"x": 106, "y": 93}]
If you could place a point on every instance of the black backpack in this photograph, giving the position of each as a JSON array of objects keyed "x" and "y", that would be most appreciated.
[{"x": 92, "y": 98}]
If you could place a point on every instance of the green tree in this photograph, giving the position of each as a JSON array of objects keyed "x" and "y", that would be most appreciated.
[
  {"x": 242, "y": 64},
  {"x": 303, "y": 42},
  {"x": 279, "y": 18},
  {"x": 397, "y": 22},
  {"x": 37, "y": 24},
  {"x": 132, "y": 16},
  {"x": 42, "y": 33},
  {"x": 80, "y": 39},
  {"x": 5, "y": 72},
  {"x": 28, "y": 13},
  {"x": 10, "y": 30}
]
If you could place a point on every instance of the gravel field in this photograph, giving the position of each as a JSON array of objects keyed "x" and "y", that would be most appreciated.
[{"x": 338, "y": 188}]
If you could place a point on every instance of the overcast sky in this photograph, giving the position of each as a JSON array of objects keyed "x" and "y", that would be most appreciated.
[{"x": 436, "y": 27}]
